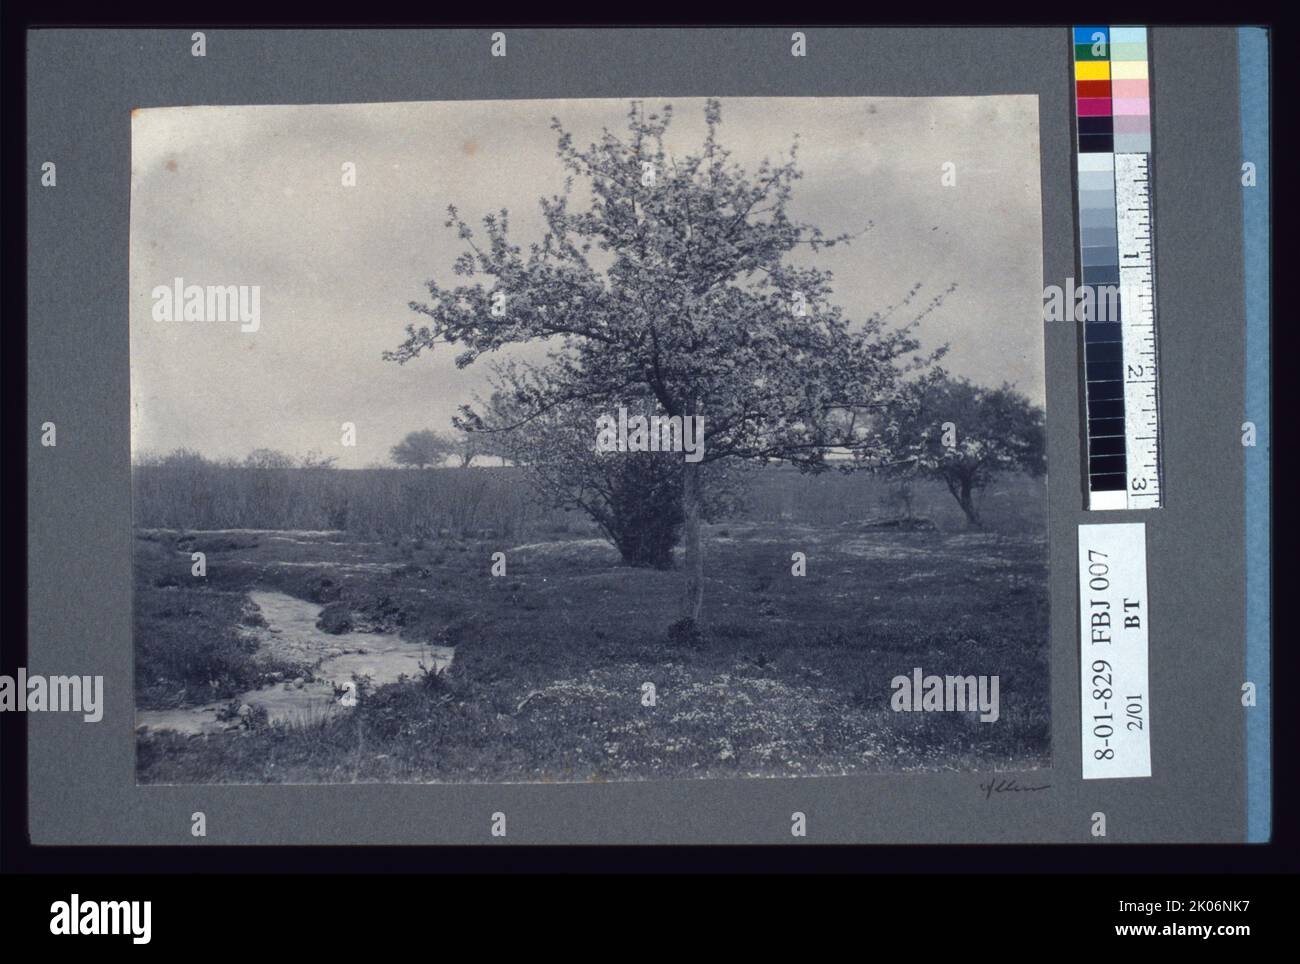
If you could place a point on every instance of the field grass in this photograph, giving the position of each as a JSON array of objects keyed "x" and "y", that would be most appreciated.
[
  {"x": 371, "y": 502},
  {"x": 551, "y": 658}
]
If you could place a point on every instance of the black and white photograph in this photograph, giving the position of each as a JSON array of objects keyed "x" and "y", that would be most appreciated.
[{"x": 577, "y": 441}]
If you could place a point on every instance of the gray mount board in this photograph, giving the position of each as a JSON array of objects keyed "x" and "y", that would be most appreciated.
[{"x": 83, "y": 85}]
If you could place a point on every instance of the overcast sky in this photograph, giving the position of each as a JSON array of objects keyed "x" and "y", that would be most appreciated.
[{"x": 252, "y": 196}]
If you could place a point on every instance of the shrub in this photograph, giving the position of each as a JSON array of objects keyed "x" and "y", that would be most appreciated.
[
  {"x": 335, "y": 619},
  {"x": 686, "y": 633}
]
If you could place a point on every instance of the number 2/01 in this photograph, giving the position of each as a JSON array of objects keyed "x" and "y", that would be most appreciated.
[{"x": 1133, "y": 709}]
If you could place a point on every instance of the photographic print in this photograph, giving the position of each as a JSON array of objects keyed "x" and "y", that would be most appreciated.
[{"x": 588, "y": 440}]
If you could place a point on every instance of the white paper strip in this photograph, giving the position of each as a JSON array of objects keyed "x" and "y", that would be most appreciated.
[{"x": 1113, "y": 625}]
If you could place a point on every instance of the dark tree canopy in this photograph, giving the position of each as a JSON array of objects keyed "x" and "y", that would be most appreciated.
[{"x": 966, "y": 435}]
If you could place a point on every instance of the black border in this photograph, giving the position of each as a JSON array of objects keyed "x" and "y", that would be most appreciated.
[{"x": 18, "y": 855}]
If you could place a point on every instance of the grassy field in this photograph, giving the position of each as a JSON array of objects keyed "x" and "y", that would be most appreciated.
[
  {"x": 551, "y": 658},
  {"x": 452, "y": 502}
]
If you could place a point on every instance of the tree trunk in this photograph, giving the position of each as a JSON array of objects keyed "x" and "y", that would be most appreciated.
[
  {"x": 693, "y": 600},
  {"x": 968, "y": 504}
]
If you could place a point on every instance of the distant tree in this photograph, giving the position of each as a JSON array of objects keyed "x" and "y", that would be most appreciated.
[
  {"x": 490, "y": 436},
  {"x": 269, "y": 459},
  {"x": 176, "y": 458},
  {"x": 678, "y": 282},
  {"x": 468, "y": 447},
  {"x": 965, "y": 436},
  {"x": 315, "y": 459},
  {"x": 423, "y": 448}
]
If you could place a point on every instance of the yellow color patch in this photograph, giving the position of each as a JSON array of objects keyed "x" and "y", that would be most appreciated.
[
  {"x": 1093, "y": 70},
  {"x": 1130, "y": 70}
]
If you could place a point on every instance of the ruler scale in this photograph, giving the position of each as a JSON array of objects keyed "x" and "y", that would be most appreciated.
[{"x": 1117, "y": 267}]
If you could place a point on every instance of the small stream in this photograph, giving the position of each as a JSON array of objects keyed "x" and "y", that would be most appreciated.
[{"x": 291, "y": 634}]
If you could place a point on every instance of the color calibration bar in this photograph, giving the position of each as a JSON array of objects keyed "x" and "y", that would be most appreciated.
[{"x": 1117, "y": 262}]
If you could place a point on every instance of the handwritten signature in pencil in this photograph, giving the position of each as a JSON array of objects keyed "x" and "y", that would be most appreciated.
[{"x": 1008, "y": 786}]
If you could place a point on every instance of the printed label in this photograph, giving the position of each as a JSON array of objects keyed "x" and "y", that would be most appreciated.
[{"x": 1113, "y": 625}]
